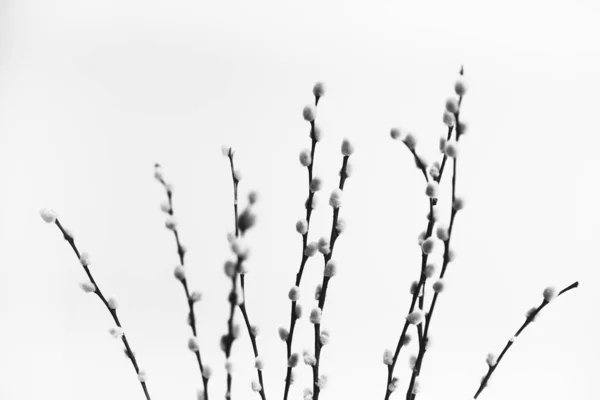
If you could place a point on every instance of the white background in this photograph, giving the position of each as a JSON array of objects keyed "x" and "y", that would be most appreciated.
[{"x": 93, "y": 93}]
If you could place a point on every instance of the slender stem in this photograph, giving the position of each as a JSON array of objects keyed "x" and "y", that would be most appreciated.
[
  {"x": 251, "y": 333},
  {"x": 326, "y": 257},
  {"x": 303, "y": 258},
  {"x": 130, "y": 354},
  {"x": 410, "y": 394},
  {"x": 419, "y": 293},
  {"x": 510, "y": 342},
  {"x": 190, "y": 302},
  {"x": 229, "y": 338}
]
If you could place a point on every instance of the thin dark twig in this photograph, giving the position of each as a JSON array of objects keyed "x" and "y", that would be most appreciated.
[
  {"x": 304, "y": 258},
  {"x": 411, "y": 394},
  {"x": 419, "y": 293},
  {"x": 325, "y": 283},
  {"x": 229, "y": 338},
  {"x": 190, "y": 302},
  {"x": 130, "y": 354},
  {"x": 528, "y": 320}
]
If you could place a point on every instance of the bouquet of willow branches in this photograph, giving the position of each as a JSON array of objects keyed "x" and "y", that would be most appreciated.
[{"x": 425, "y": 290}]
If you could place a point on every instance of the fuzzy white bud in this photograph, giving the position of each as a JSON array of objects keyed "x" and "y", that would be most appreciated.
[
  {"x": 142, "y": 376},
  {"x": 394, "y": 384},
  {"x": 324, "y": 337},
  {"x": 294, "y": 293},
  {"x": 410, "y": 141},
  {"x": 428, "y": 245},
  {"x": 330, "y": 268},
  {"x": 309, "y": 113},
  {"x": 259, "y": 363},
  {"x": 432, "y": 189},
  {"x": 298, "y": 310},
  {"x": 458, "y": 203},
  {"x": 549, "y": 294},
  {"x": 324, "y": 245},
  {"x": 87, "y": 287},
  {"x": 113, "y": 304},
  {"x": 451, "y": 149},
  {"x": 317, "y": 132},
  {"x": 308, "y": 394},
  {"x": 207, "y": 373},
  {"x": 195, "y": 296},
  {"x": 179, "y": 273},
  {"x": 395, "y": 133},
  {"x": 229, "y": 268},
  {"x": 449, "y": 118},
  {"x": 319, "y": 89},
  {"x": 294, "y": 360},
  {"x": 305, "y": 158},
  {"x": 491, "y": 359},
  {"x": 311, "y": 249},
  {"x": 171, "y": 223},
  {"x": 316, "y": 184},
  {"x": 341, "y": 225},
  {"x": 315, "y": 316},
  {"x": 283, "y": 333},
  {"x": 388, "y": 357},
  {"x": 415, "y": 317},
  {"x": 442, "y": 232},
  {"x": 309, "y": 358},
  {"x": 237, "y": 175},
  {"x": 430, "y": 270},
  {"x": 462, "y": 128},
  {"x": 49, "y": 216},
  {"x": 225, "y": 150},
  {"x": 84, "y": 259},
  {"x": 256, "y": 386},
  {"x": 452, "y": 105},
  {"x": 302, "y": 226},
  {"x": 439, "y": 286},
  {"x": 335, "y": 199},
  {"x": 414, "y": 287},
  {"x": 193, "y": 344},
  {"x": 347, "y": 148},
  {"x": 322, "y": 382},
  {"x": 460, "y": 87},
  {"x": 116, "y": 332}
]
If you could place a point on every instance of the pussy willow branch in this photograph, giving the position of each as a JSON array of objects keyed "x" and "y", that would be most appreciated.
[
  {"x": 423, "y": 342},
  {"x": 303, "y": 259},
  {"x": 112, "y": 312},
  {"x": 249, "y": 328},
  {"x": 510, "y": 342},
  {"x": 424, "y": 338},
  {"x": 230, "y": 338},
  {"x": 189, "y": 300},
  {"x": 317, "y": 327},
  {"x": 419, "y": 292}
]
